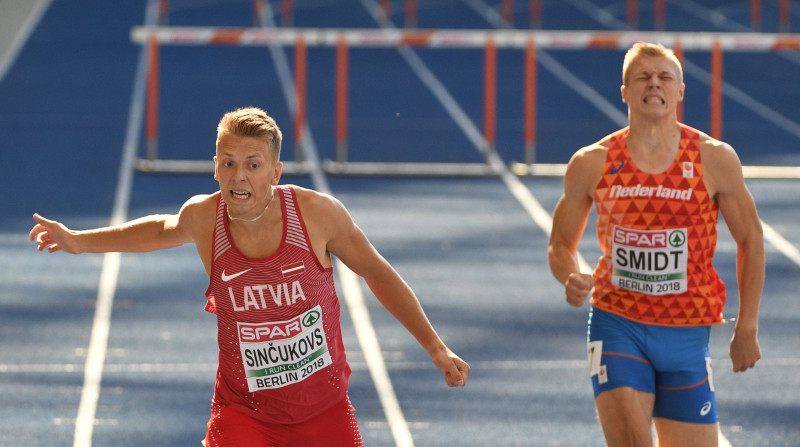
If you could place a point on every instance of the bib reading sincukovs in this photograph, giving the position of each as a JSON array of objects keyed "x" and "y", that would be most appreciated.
[{"x": 277, "y": 354}]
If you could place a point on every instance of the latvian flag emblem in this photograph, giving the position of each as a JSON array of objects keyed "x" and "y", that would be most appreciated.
[{"x": 293, "y": 269}]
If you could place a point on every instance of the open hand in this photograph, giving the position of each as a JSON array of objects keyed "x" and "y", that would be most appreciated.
[{"x": 51, "y": 235}]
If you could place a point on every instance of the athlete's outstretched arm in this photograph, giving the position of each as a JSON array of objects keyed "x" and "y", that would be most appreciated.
[
  {"x": 148, "y": 233},
  {"x": 351, "y": 246},
  {"x": 144, "y": 234}
]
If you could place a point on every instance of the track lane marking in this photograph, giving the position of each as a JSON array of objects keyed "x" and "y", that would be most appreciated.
[
  {"x": 351, "y": 289},
  {"x": 101, "y": 324}
]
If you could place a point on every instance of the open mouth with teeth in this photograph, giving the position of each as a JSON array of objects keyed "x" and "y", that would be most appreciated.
[
  {"x": 240, "y": 195},
  {"x": 654, "y": 100}
]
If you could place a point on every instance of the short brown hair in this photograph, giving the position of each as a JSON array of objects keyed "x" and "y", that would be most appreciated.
[
  {"x": 641, "y": 49},
  {"x": 252, "y": 122}
]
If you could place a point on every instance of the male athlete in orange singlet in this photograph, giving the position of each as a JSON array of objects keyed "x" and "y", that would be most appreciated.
[
  {"x": 283, "y": 377},
  {"x": 658, "y": 186}
]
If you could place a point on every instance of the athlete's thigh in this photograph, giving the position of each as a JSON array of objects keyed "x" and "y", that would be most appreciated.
[
  {"x": 678, "y": 434},
  {"x": 625, "y": 416},
  {"x": 623, "y": 379},
  {"x": 616, "y": 354},
  {"x": 684, "y": 380},
  {"x": 336, "y": 427},
  {"x": 230, "y": 428}
]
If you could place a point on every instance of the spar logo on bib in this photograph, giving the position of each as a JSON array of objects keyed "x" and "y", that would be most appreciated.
[
  {"x": 276, "y": 354},
  {"x": 650, "y": 261}
]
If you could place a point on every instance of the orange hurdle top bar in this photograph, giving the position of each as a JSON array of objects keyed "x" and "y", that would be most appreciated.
[{"x": 444, "y": 38}]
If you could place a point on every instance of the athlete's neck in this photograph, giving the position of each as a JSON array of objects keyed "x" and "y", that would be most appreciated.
[
  {"x": 231, "y": 218},
  {"x": 653, "y": 148}
]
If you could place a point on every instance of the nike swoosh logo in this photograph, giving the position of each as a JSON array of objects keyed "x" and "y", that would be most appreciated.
[{"x": 227, "y": 278}]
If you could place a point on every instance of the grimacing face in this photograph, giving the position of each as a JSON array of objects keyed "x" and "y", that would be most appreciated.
[
  {"x": 653, "y": 85},
  {"x": 246, "y": 172}
]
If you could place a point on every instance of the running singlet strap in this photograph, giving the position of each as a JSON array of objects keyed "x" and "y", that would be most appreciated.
[
  {"x": 658, "y": 233},
  {"x": 281, "y": 355}
]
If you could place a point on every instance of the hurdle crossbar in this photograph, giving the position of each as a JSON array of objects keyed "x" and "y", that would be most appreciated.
[
  {"x": 422, "y": 169},
  {"x": 490, "y": 40},
  {"x": 451, "y": 38},
  {"x": 558, "y": 169},
  {"x": 162, "y": 166}
]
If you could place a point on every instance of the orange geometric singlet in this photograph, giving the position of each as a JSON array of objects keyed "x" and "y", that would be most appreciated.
[{"x": 658, "y": 233}]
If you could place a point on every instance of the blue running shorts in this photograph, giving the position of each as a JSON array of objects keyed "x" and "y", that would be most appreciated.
[{"x": 671, "y": 362}]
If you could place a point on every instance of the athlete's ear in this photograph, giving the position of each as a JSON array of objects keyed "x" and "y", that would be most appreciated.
[
  {"x": 623, "y": 93},
  {"x": 277, "y": 175},
  {"x": 216, "y": 178}
]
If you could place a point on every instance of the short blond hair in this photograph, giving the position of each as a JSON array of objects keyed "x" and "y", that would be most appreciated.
[
  {"x": 646, "y": 49},
  {"x": 252, "y": 122}
]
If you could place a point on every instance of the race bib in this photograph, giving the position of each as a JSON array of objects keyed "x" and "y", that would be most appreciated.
[
  {"x": 650, "y": 261},
  {"x": 277, "y": 354}
]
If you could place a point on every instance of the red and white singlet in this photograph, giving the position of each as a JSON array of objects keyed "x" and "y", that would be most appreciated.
[{"x": 281, "y": 356}]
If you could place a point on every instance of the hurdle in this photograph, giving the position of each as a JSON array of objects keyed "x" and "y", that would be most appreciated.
[
  {"x": 507, "y": 10},
  {"x": 529, "y": 41},
  {"x": 783, "y": 15}
]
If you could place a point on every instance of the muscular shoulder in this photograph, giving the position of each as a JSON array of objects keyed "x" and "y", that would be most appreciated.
[
  {"x": 314, "y": 203},
  {"x": 721, "y": 166},
  {"x": 593, "y": 154},
  {"x": 329, "y": 224},
  {"x": 323, "y": 214},
  {"x": 585, "y": 168},
  {"x": 197, "y": 215},
  {"x": 713, "y": 150},
  {"x": 201, "y": 205}
]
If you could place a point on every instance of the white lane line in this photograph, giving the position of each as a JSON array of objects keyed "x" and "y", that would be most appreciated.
[
  {"x": 355, "y": 363},
  {"x": 373, "y": 356},
  {"x": 34, "y": 15},
  {"x": 351, "y": 289},
  {"x": 770, "y": 235},
  {"x": 778, "y": 241},
  {"x": 93, "y": 371},
  {"x": 583, "y": 89},
  {"x": 618, "y": 117},
  {"x": 534, "y": 208},
  {"x": 98, "y": 344},
  {"x": 759, "y": 108},
  {"x": 614, "y": 114}
]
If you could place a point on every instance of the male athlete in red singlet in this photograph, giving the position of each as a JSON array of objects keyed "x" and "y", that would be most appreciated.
[
  {"x": 657, "y": 186},
  {"x": 281, "y": 360},
  {"x": 282, "y": 378}
]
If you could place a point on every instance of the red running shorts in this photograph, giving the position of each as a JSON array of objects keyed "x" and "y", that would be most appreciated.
[{"x": 336, "y": 427}]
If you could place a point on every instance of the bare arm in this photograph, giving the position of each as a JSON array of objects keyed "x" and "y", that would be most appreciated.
[
  {"x": 727, "y": 186},
  {"x": 145, "y": 234},
  {"x": 569, "y": 223},
  {"x": 347, "y": 242}
]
